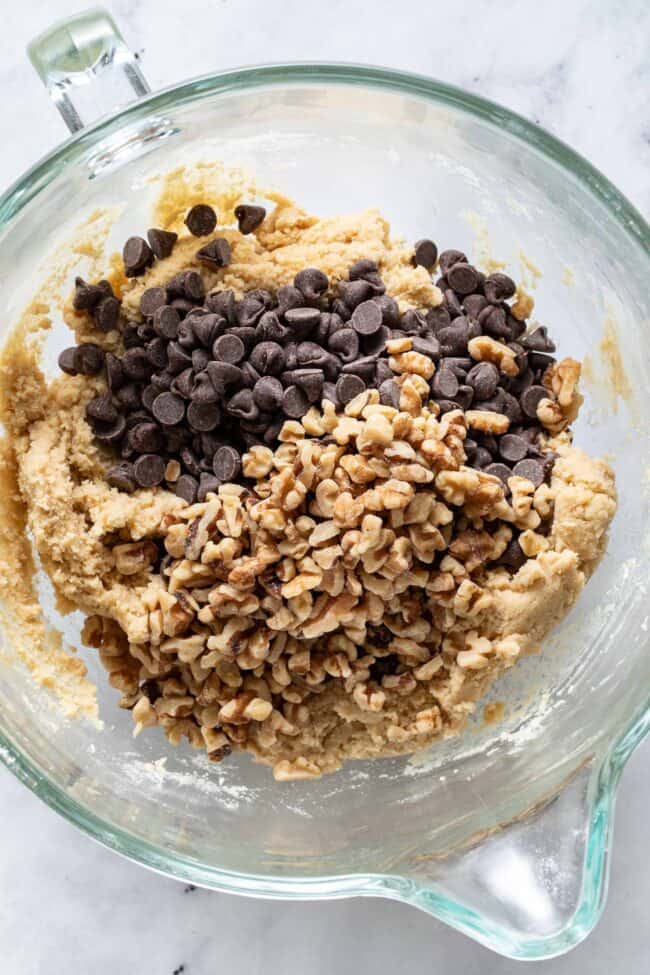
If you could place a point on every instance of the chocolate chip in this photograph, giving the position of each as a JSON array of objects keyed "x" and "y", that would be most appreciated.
[
  {"x": 263, "y": 296},
  {"x": 200, "y": 359},
  {"x": 361, "y": 268},
  {"x": 352, "y": 293},
  {"x": 312, "y": 283},
  {"x": 137, "y": 256},
  {"x": 215, "y": 254},
  {"x": 203, "y": 417},
  {"x": 532, "y": 470},
  {"x": 149, "y": 394},
  {"x": 289, "y": 297},
  {"x": 101, "y": 408},
  {"x": 182, "y": 383},
  {"x": 447, "y": 406},
  {"x": 145, "y": 332},
  {"x": 519, "y": 384},
  {"x": 136, "y": 364},
  {"x": 203, "y": 390},
  {"x": 271, "y": 329},
  {"x": 513, "y": 557},
  {"x": 156, "y": 351},
  {"x": 291, "y": 355},
  {"x": 151, "y": 300},
  {"x": 128, "y": 396},
  {"x": 493, "y": 322},
  {"x": 367, "y": 318},
  {"x": 190, "y": 461},
  {"x": 229, "y": 348},
  {"x": 226, "y": 463},
  {"x": 111, "y": 432},
  {"x": 186, "y": 337},
  {"x": 166, "y": 321},
  {"x": 201, "y": 220},
  {"x": 425, "y": 253},
  {"x": 482, "y": 457},
  {"x": 121, "y": 477},
  {"x": 106, "y": 314},
  {"x": 389, "y": 393},
  {"x": 509, "y": 406},
  {"x": 249, "y": 217},
  {"x": 531, "y": 398},
  {"x": 513, "y": 448},
  {"x": 268, "y": 358},
  {"x": 243, "y": 406},
  {"x": 114, "y": 371},
  {"x": 444, "y": 383},
  {"x": 311, "y": 354},
  {"x": 248, "y": 311},
  {"x": 540, "y": 362},
  {"x": 310, "y": 381},
  {"x": 364, "y": 367},
  {"x": 186, "y": 487},
  {"x": 538, "y": 341},
  {"x": 206, "y": 327},
  {"x": 473, "y": 305},
  {"x": 193, "y": 286},
  {"x": 349, "y": 386},
  {"x": 223, "y": 375},
  {"x": 250, "y": 375},
  {"x": 345, "y": 344},
  {"x": 301, "y": 321},
  {"x": 383, "y": 372},
  {"x": 449, "y": 258},
  {"x": 149, "y": 470},
  {"x": 89, "y": 359},
  {"x": 436, "y": 318},
  {"x": 68, "y": 361},
  {"x": 222, "y": 303},
  {"x": 376, "y": 343},
  {"x": 484, "y": 379},
  {"x": 463, "y": 278},
  {"x": 146, "y": 438},
  {"x": 340, "y": 308},
  {"x": 86, "y": 296},
  {"x": 390, "y": 314},
  {"x": 295, "y": 402},
  {"x": 161, "y": 242},
  {"x": 498, "y": 287},
  {"x": 429, "y": 347},
  {"x": 459, "y": 365},
  {"x": 208, "y": 484},
  {"x": 177, "y": 358},
  {"x": 328, "y": 325},
  {"x": 499, "y": 470},
  {"x": 168, "y": 409},
  {"x": 452, "y": 303},
  {"x": 268, "y": 393},
  {"x": 329, "y": 393},
  {"x": 464, "y": 397}
]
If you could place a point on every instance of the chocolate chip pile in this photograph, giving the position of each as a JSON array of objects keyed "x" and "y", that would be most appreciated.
[{"x": 205, "y": 377}]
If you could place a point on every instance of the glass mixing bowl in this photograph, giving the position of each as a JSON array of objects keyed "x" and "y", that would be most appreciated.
[{"x": 503, "y": 833}]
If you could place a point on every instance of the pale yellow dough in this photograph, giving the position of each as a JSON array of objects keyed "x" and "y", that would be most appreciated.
[{"x": 72, "y": 514}]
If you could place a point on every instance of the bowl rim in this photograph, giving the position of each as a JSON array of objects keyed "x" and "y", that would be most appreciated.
[{"x": 634, "y": 226}]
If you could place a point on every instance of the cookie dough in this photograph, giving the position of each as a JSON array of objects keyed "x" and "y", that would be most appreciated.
[{"x": 77, "y": 521}]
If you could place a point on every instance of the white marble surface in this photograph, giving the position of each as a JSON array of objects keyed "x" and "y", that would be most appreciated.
[{"x": 581, "y": 69}]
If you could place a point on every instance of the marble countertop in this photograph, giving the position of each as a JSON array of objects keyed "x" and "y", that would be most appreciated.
[{"x": 581, "y": 70}]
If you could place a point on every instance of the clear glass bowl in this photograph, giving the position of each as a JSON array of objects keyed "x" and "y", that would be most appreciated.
[{"x": 503, "y": 833}]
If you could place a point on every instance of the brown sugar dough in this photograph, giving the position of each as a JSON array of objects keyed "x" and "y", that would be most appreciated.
[{"x": 75, "y": 518}]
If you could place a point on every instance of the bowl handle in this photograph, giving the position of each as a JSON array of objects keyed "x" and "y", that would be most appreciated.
[{"x": 87, "y": 67}]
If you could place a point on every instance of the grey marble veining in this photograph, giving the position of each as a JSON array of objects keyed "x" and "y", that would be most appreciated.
[{"x": 582, "y": 70}]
